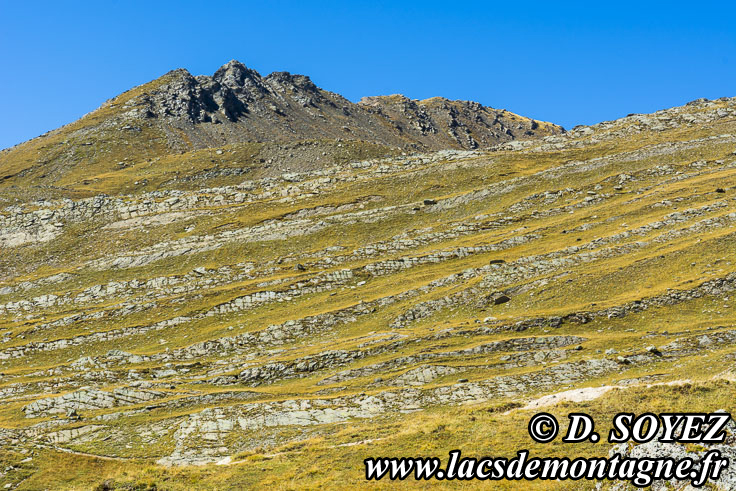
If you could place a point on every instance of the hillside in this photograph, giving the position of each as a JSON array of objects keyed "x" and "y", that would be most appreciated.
[
  {"x": 288, "y": 325},
  {"x": 225, "y": 122}
]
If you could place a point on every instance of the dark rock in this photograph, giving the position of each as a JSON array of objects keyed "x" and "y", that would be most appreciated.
[
  {"x": 653, "y": 350},
  {"x": 501, "y": 299}
]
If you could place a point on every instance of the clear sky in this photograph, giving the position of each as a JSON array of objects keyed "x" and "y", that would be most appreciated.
[{"x": 566, "y": 62}]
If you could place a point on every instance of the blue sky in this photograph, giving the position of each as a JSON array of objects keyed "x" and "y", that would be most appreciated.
[{"x": 566, "y": 62}]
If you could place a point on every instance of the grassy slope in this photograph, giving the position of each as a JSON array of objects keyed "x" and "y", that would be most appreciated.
[
  {"x": 334, "y": 459},
  {"x": 318, "y": 457}
]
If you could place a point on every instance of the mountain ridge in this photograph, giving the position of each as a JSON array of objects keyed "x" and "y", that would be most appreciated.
[
  {"x": 236, "y": 92},
  {"x": 179, "y": 113}
]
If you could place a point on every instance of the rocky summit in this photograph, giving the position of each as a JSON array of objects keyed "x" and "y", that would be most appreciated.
[
  {"x": 177, "y": 114},
  {"x": 239, "y": 281}
]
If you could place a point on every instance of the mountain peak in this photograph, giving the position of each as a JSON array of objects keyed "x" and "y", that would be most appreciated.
[
  {"x": 283, "y": 106},
  {"x": 179, "y": 112},
  {"x": 234, "y": 74},
  {"x": 234, "y": 64},
  {"x": 180, "y": 72}
]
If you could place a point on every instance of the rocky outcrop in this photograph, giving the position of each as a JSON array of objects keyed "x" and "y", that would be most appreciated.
[
  {"x": 89, "y": 399},
  {"x": 286, "y": 107}
]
